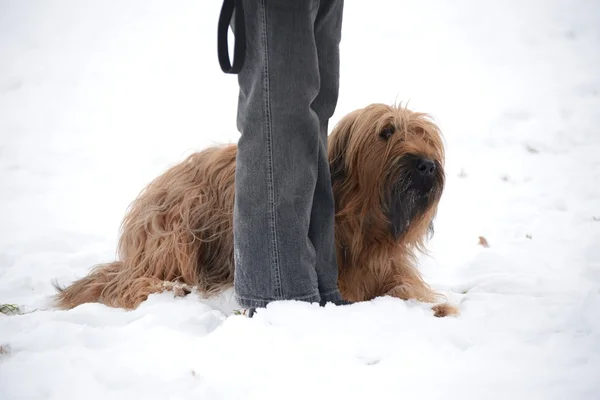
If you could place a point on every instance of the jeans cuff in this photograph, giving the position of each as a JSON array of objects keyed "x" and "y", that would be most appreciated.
[
  {"x": 332, "y": 296},
  {"x": 261, "y": 303}
]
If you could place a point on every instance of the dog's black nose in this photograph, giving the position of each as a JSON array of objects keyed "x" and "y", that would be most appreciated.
[{"x": 425, "y": 166}]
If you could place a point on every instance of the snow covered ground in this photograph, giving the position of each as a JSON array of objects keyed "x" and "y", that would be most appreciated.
[{"x": 99, "y": 97}]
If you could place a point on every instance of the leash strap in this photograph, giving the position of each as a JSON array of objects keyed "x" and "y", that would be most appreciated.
[{"x": 239, "y": 47}]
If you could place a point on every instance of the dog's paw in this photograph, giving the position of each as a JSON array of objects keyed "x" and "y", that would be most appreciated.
[
  {"x": 179, "y": 289},
  {"x": 444, "y": 310}
]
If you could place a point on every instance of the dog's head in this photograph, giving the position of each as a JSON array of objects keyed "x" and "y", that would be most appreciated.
[{"x": 387, "y": 167}]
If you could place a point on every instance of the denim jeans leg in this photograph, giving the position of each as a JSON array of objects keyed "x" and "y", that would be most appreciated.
[
  {"x": 281, "y": 203},
  {"x": 328, "y": 29}
]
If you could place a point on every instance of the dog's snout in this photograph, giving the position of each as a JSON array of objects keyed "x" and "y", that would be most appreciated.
[{"x": 425, "y": 166}]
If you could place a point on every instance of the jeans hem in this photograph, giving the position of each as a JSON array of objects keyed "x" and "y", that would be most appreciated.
[
  {"x": 261, "y": 303},
  {"x": 332, "y": 296}
]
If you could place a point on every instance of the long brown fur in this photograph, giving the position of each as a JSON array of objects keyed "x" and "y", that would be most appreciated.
[{"x": 179, "y": 229}]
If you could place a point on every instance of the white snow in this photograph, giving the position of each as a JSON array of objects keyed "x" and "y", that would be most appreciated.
[{"x": 99, "y": 97}]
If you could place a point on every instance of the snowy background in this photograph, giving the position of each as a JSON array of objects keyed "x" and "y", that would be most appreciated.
[{"x": 99, "y": 97}]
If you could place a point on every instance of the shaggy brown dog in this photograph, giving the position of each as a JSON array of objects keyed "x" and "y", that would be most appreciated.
[{"x": 387, "y": 175}]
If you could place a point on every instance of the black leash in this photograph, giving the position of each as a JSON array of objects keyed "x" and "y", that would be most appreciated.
[{"x": 239, "y": 29}]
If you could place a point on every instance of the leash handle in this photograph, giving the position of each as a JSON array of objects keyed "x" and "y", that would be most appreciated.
[{"x": 239, "y": 47}]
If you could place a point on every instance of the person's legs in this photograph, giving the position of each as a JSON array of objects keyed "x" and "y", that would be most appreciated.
[{"x": 278, "y": 155}]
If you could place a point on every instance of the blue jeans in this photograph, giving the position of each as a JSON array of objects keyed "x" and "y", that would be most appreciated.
[{"x": 283, "y": 219}]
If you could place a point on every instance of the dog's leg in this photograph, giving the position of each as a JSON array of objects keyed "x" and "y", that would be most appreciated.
[
  {"x": 422, "y": 292},
  {"x": 408, "y": 284},
  {"x": 407, "y": 291},
  {"x": 135, "y": 291}
]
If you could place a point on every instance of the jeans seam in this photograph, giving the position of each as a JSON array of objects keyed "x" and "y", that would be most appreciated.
[{"x": 269, "y": 146}]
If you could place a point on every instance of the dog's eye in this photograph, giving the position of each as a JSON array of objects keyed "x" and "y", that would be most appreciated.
[{"x": 387, "y": 132}]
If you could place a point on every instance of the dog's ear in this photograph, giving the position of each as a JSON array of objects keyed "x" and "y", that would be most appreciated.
[{"x": 338, "y": 146}]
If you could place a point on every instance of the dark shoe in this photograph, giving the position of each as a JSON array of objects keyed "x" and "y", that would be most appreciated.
[{"x": 340, "y": 302}]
